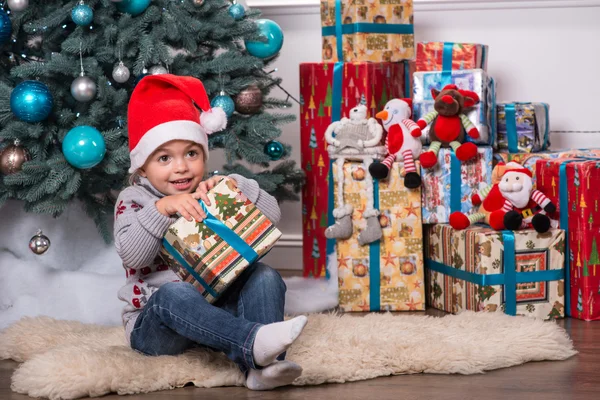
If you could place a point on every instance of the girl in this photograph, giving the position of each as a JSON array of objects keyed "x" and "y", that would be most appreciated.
[{"x": 168, "y": 149}]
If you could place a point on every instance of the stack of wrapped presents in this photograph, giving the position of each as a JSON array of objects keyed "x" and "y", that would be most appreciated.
[{"x": 423, "y": 190}]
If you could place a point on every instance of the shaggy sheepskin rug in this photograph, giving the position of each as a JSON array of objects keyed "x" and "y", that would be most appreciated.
[{"x": 68, "y": 360}]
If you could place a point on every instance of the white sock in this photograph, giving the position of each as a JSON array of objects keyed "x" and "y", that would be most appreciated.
[
  {"x": 277, "y": 374},
  {"x": 273, "y": 339}
]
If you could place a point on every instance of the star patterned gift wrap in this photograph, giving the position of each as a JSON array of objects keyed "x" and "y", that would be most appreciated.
[
  {"x": 386, "y": 274},
  {"x": 212, "y": 253},
  {"x": 322, "y": 102},
  {"x": 449, "y": 185},
  {"x": 474, "y": 270},
  {"x": 367, "y": 30}
]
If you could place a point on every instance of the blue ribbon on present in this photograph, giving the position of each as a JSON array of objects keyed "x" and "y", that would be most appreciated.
[
  {"x": 407, "y": 78},
  {"x": 374, "y": 261},
  {"x": 225, "y": 233},
  {"x": 512, "y": 135},
  {"x": 509, "y": 278},
  {"x": 447, "y": 64},
  {"x": 564, "y": 224},
  {"x": 455, "y": 183},
  {"x": 359, "y": 27}
]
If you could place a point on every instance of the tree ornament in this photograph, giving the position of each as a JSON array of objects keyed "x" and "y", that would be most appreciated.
[
  {"x": 237, "y": 11},
  {"x": 274, "y": 35},
  {"x": 249, "y": 100},
  {"x": 5, "y": 26},
  {"x": 12, "y": 158},
  {"x": 198, "y": 3},
  {"x": 82, "y": 14},
  {"x": 83, "y": 88},
  {"x": 133, "y": 7},
  {"x": 274, "y": 150},
  {"x": 225, "y": 102},
  {"x": 121, "y": 73},
  {"x": 31, "y": 101},
  {"x": 157, "y": 70},
  {"x": 139, "y": 78},
  {"x": 17, "y": 5},
  {"x": 84, "y": 147},
  {"x": 39, "y": 243}
]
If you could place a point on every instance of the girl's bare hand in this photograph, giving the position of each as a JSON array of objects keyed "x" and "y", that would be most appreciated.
[{"x": 184, "y": 204}]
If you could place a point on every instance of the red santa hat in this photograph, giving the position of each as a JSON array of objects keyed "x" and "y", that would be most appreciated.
[
  {"x": 164, "y": 108},
  {"x": 518, "y": 168}
]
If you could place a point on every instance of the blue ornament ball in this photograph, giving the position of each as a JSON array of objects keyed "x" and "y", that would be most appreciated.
[
  {"x": 82, "y": 15},
  {"x": 31, "y": 101},
  {"x": 237, "y": 11},
  {"x": 271, "y": 47},
  {"x": 225, "y": 102},
  {"x": 274, "y": 150},
  {"x": 133, "y": 7},
  {"x": 84, "y": 147},
  {"x": 5, "y": 26}
]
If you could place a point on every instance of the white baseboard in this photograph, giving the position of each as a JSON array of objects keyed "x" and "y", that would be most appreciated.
[{"x": 282, "y": 7}]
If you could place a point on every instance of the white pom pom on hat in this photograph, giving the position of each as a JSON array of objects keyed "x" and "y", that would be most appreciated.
[{"x": 162, "y": 109}]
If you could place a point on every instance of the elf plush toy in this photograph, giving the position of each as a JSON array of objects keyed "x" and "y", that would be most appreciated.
[
  {"x": 355, "y": 138},
  {"x": 402, "y": 142},
  {"x": 449, "y": 124},
  {"x": 509, "y": 203}
]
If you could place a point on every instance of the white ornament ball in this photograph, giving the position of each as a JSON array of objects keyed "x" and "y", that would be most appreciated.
[
  {"x": 83, "y": 88},
  {"x": 157, "y": 70},
  {"x": 121, "y": 73},
  {"x": 17, "y": 5}
]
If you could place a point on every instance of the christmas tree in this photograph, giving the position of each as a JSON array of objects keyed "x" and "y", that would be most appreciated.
[
  {"x": 316, "y": 254},
  {"x": 70, "y": 64}
]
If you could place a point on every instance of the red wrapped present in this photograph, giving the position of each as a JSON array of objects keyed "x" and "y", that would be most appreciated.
[
  {"x": 440, "y": 56},
  {"x": 572, "y": 184},
  {"x": 327, "y": 92}
]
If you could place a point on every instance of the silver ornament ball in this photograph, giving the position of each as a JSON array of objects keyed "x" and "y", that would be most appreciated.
[
  {"x": 157, "y": 70},
  {"x": 39, "y": 243},
  {"x": 17, "y": 5},
  {"x": 121, "y": 73},
  {"x": 83, "y": 88}
]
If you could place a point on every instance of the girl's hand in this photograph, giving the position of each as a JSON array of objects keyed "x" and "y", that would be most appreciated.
[
  {"x": 185, "y": 204},
  {"x": 208, "y": 184}
]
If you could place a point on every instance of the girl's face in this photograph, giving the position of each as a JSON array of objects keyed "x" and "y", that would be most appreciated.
[{"x": 175, "y": 167}]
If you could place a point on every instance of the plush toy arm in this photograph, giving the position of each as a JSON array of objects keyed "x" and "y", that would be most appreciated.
[
  {"x": 329, "y": 134},
  {"x": 469, "y": 127},
  {"x": 427, "y": 119},
  {"x": 543, "y": 201},
  {"x": 478, "y": 198},
  {"x": 413, "y": 128},
  {"x": 377, "y": 132}
]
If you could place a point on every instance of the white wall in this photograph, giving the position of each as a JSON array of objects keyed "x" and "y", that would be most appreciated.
[{"x": 539, "y": 51}]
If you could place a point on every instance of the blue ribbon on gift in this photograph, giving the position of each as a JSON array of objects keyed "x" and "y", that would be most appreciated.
[
  {"x": 360, "y": 27},
  {"x": 509, "y": 278},
  {"x": 455, "y": 183},
  {"x": 374, "y": 261},
  {"x": 510, "y": 116},
  {"x": 447, "y": 64},
  {"x": 225, "y": 233},
  {"x": 564, "y": 224}
]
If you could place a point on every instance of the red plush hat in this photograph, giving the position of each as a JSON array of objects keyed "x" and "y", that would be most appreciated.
[
  {"x": 162, "y": 109},
  {"x": 515, "y": 167}
]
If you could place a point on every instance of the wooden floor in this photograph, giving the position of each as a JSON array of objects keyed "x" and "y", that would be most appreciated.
[{"x": 574, "y": 379}]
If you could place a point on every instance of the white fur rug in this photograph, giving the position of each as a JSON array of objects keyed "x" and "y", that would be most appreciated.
[{"x": 68, "y": 360}]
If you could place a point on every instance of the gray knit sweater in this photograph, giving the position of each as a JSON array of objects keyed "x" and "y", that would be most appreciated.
[{"x": 139, "y": 229}]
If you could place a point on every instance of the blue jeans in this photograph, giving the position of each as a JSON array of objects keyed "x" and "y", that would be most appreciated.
[{"x": 177, "y": 317}]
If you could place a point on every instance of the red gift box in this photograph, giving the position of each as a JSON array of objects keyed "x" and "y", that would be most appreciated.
[
  {"x": 328, "y": 91},
  {"x": 580, "y": 189},
  {"x": 431, "y": 56}
]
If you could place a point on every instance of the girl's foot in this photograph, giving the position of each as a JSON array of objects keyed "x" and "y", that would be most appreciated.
[
  {"x": 273, "y": 339},
  {"x": 277, "y": 374}
]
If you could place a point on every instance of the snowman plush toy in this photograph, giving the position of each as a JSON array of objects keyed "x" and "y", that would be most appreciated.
[
  {"x": 357, "y": 138},
  {"x": 402, "y": 142}
]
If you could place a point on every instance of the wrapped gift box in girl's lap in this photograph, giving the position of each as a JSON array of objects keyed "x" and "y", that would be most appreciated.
[
  {"x": 212, "y": 253},
  {"x": 479, "y": 269},
  {"x": 328, "y": 92},
  {"x": 572, "y": 184},
  {"x": 386, "y": 274},
  {"x": 373, "y": 30}
]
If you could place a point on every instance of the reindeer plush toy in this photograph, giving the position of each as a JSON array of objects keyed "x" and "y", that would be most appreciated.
[{"x": 449, "y": 125}]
